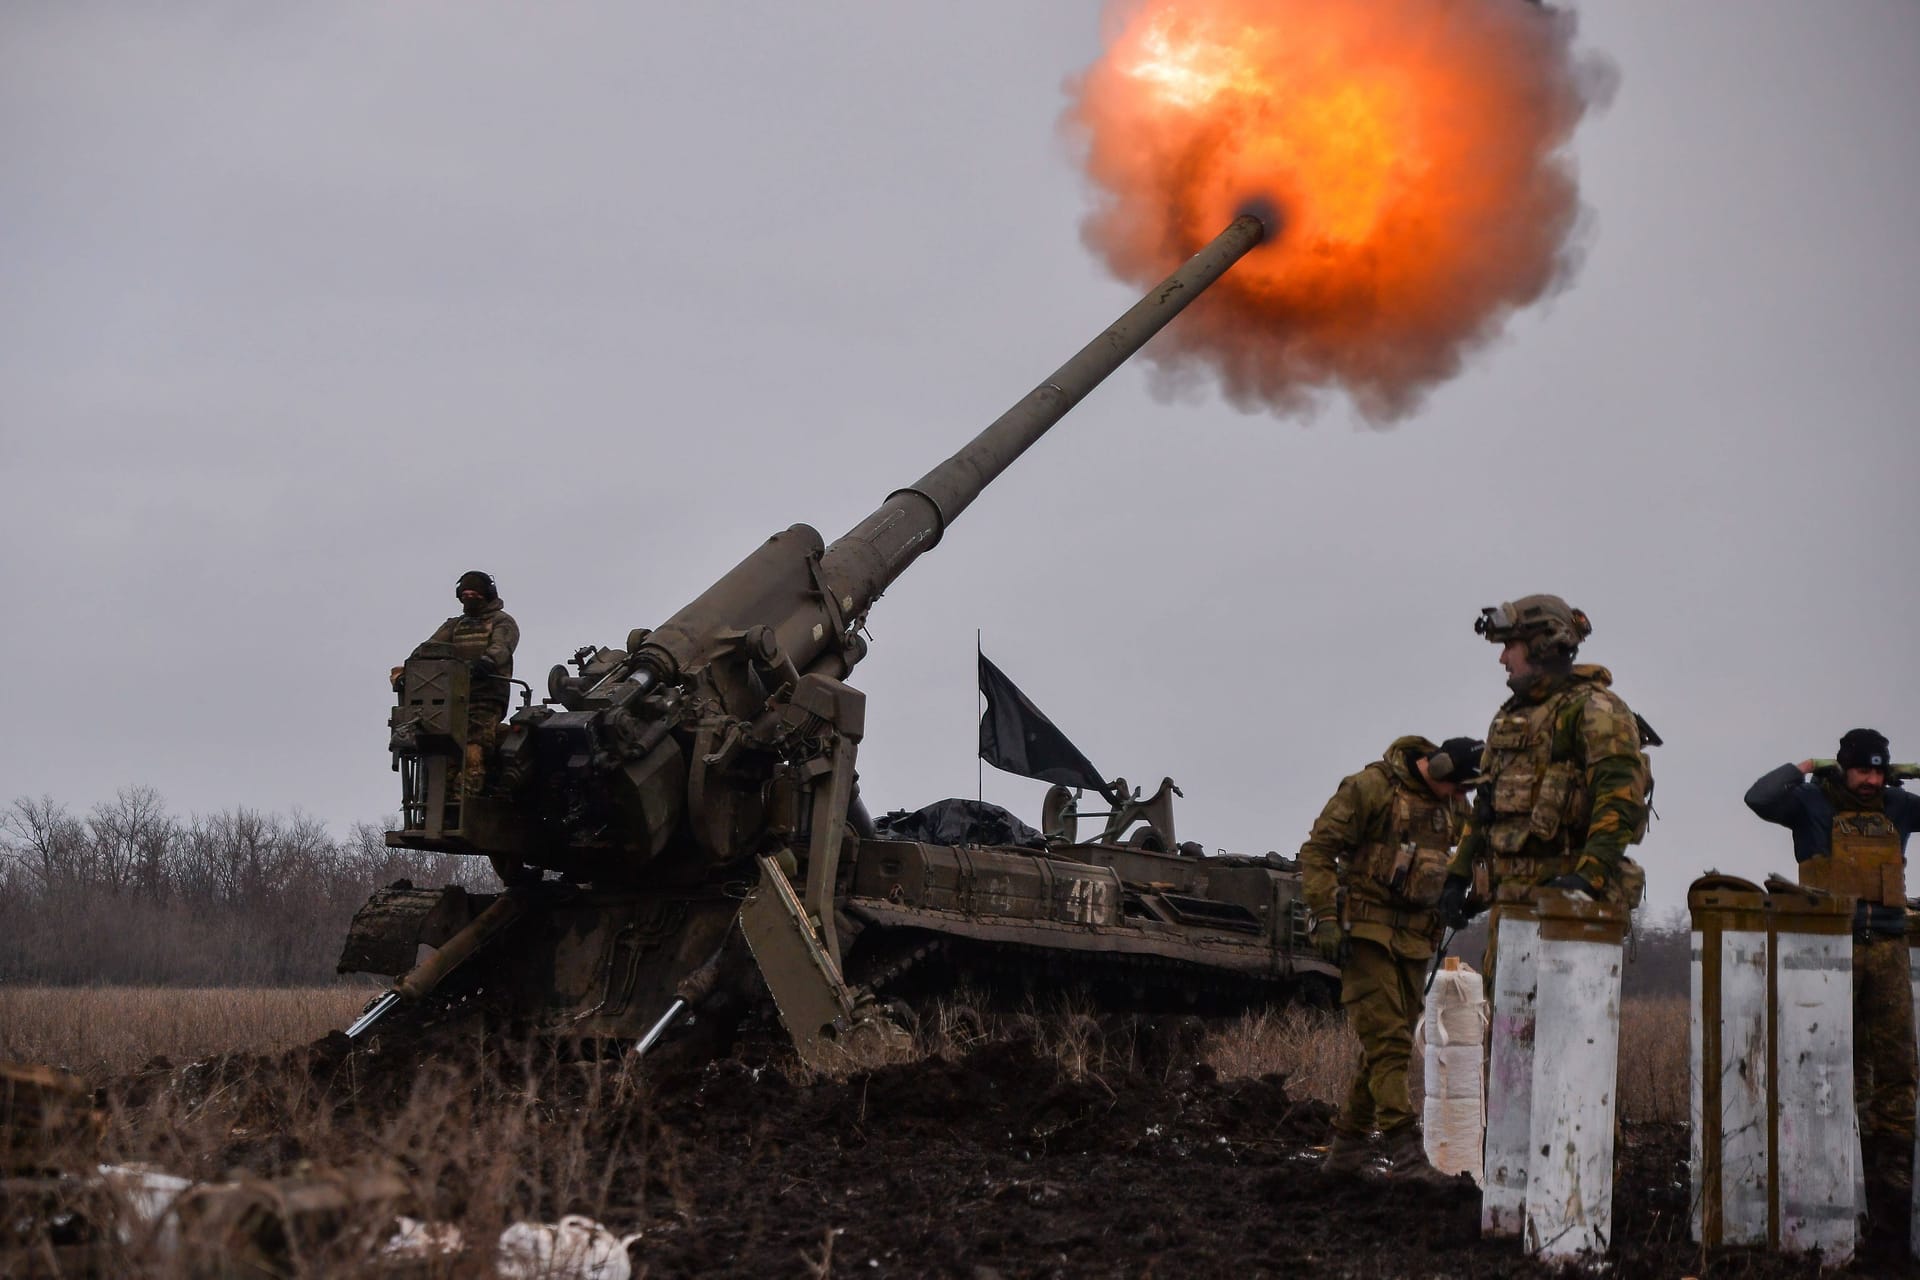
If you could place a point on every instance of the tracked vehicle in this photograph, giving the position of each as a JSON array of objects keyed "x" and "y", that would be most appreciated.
[{"x": 701, "y": 776}]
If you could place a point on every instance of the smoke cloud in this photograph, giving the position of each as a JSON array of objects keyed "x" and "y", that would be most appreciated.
[{"x": 1415, "y": 151}]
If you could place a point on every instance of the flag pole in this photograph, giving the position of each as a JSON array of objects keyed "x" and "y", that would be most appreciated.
[{"x": 979, "y": 769}]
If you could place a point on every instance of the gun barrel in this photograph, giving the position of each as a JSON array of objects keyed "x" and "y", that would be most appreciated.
[
  {"x": 876, "y": 551},
  {"x": 812, "y": 595}
]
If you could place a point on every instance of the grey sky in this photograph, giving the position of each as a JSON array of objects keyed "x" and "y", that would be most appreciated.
[{"x": 308, "y": 308}]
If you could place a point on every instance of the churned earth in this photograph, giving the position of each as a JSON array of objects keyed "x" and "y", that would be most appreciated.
[{"x": 996, "y": 1163}]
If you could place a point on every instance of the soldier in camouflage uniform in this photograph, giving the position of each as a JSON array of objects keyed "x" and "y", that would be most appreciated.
[
  {"x": 1566, "y": 779},
  {"x": 1372, "y": 871},
  {"x": 1850, "y": 822},
  {"x": 484, "y": 635}
]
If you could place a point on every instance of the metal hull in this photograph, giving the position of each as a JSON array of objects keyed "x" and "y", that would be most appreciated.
[{"x": 1135, "y": 931}]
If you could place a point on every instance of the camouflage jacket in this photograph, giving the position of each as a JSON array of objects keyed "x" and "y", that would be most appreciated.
[
  {"x": 1566, "y": 789},
  {"x": 1383, "y": 841},
  {"x": 487, "y": 638}
]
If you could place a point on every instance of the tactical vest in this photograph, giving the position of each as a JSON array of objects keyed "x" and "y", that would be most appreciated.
[
  {"x": 468, "y": 636},
  {"x": 1865, "y": 861},
  {"x": 1540, "y": 803},
  {"x": 1410, "y": 862}
]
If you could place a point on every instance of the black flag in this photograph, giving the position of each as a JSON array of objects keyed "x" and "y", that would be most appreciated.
[{"x": 1016, "y": 736}]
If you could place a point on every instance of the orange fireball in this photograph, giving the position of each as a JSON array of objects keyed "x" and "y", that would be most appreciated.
[{"x": 1414, "y": 151}]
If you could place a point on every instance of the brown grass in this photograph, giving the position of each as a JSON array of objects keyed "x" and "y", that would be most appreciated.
[
  {"x": 483, "y": 1135},
  {"x": 1653, "y": 1059},
  {"x": 106, "y": 1031},
  {"x": 1318, "y": 1055},
  {"x": 1312, "y": 1048}
]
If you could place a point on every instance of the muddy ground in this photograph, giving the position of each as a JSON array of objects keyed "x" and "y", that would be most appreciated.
[{"x": 998, "y": 1163}]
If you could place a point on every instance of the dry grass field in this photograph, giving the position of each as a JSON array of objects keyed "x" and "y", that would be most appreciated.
[
  {"x": 108, "y": 1031},
  {"x": 100, "y": 1032},
  {"x": 1653, "y": 1060},
  {"x": 1317, "y": 1054}
]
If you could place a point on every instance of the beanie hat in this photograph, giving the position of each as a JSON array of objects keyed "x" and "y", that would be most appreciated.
[
  {"x": 1457, "y": 761},
  {"x": 1863, "y": 749}
]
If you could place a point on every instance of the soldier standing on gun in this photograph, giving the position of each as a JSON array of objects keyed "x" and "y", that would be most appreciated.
[
  {"x": 1850, "y": 823},
  {"x": 1566, "y": 783},
  {"x": 483, "y": 635},
  {"x": 1381, "y": 847}
]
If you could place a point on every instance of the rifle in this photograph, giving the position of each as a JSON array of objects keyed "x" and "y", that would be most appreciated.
[{"x": 1446, "y": 944}]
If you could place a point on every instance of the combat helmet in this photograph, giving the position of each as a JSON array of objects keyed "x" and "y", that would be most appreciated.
[{"x": 1551, "y": 627}]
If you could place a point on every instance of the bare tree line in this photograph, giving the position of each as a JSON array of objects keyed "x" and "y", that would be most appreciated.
[{"x": 129, "y": 893}]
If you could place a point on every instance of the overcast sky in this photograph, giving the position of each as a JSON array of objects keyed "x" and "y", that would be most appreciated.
[{"x": 304, "y": 309}]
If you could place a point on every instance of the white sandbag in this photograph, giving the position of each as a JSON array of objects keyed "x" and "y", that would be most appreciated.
[
  {"x": 1456, "y": 1009},
  {"x": 1452, "y": 1033},
  {"x": 1453, "y": 1128},
  {"x": 1465, "y": 1022},
  {"x": 1453, "y": 1073},
  {"x": 1458, "y": 1110},
  {"x": 575, "y": 1248}
]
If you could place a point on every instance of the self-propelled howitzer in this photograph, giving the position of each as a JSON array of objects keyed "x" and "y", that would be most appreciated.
[{"x": 711, "y": 753}]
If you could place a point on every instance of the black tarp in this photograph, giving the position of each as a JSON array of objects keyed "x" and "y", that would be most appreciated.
[{"x": 959, "y": 822}]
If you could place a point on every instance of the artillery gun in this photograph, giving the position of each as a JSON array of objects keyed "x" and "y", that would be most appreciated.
[{"x": 703, "y": 774}]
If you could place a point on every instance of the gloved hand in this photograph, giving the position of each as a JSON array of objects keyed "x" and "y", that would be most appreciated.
[
  {"x": 1330, "y": 940},
  {"x": 482, "y": 668},
  {"x": 1571, "y": 883},
  {"x": 1453, "y": 902}
]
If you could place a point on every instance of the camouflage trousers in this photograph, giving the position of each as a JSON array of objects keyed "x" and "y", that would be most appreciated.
[
  {"x": 483, "y": 727},
  {"x": 1383, "y": 995},
  {"x": 1883, "y": 1045}
]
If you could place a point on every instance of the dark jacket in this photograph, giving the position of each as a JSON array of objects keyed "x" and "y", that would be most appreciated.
[{"x": 1807, "y": 808}]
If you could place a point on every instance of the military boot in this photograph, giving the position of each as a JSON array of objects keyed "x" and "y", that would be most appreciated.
[
  {"x": 1348, "y": 1153},
  {"x": 1406, "y": 1157}
]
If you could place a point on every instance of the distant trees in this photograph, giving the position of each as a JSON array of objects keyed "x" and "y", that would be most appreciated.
[{"x": 130, "y": 893}]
